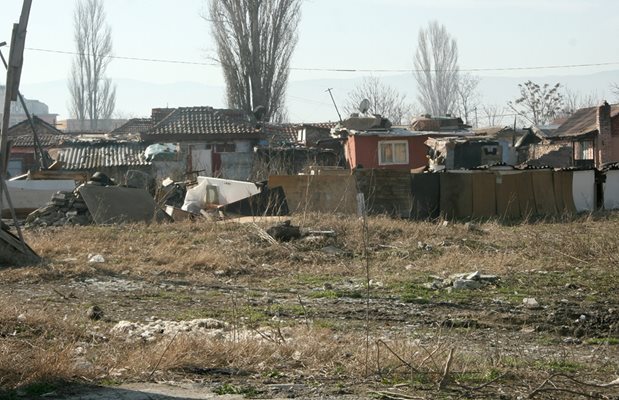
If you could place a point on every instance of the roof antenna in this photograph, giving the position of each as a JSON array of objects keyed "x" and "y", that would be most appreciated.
[{"x": 334, "y": 105}]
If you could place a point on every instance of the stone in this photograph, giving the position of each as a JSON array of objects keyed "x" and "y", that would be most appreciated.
[
  {"x": 331, "y": 250},
  {"x": 530, "y": 302},
  {"x": 95, "y": 313},
  {"x": 96, "y": 258},
  {"x": 466, "y": 284}
]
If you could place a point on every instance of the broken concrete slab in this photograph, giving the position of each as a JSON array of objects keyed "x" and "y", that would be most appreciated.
[{"x": 114, "y": 204}]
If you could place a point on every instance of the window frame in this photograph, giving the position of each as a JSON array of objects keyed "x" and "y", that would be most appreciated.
[{"x": 392, "y": 143}]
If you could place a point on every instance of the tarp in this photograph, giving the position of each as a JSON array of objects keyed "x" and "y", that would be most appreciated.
[{"x": 543, "y": 189}]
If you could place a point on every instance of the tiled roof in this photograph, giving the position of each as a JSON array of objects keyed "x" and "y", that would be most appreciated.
[
  {"x": 42, "y": 127},
  {"x": 200, "y": 121},
  {"x": 134, "y": 126},
  {"x": 582, "y": 122},
  {"x": 87, "y": 156},
  {"x": 282, "y": 133},
  {"x": 46, "y": 140}
]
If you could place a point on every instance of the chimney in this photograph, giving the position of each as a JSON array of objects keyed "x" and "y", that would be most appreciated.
[{"x": 604, "y": 140}]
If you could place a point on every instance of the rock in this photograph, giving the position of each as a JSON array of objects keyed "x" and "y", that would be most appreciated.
[
  {"x": 95, "y": 313},
  {"x": 332, "y": 250},
  {"x": 96, "y": 258},
  {"x": 531, "y": 303},
  {"x": 466, "y": 284}
]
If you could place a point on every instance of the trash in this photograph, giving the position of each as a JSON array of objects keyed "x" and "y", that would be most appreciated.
[
  {"x": 284, "y": 232},
  {"x": 96, "y": 258},
  {"x": 269, "y": 201},
  {"x": 177, "y": 214},
  {"x": 463, "y": 281},
  {"x": 161, "y": 152}
]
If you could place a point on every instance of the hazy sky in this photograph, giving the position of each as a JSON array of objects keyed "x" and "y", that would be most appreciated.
[{"x": 359, "y": 34}]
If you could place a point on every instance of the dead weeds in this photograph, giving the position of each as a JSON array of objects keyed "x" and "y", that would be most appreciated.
[{"x": 296, "y": 311}]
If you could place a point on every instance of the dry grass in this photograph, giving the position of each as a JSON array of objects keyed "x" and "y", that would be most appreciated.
[{"x": 49, "y": 339}]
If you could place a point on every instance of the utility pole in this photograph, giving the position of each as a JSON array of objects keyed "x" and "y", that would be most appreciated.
[
  {"x": 40, "y": 159},
  {"x": 13, "y": 76},
  {"x": 334, "y": 105}
]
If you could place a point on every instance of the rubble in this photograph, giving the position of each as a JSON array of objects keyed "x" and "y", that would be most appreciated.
[
  {"x": 156, "y": 327},
  {"x": 531, "y": 303},
  {"x": 463, "y": 281},
  {"x": 64, "y": 208}
]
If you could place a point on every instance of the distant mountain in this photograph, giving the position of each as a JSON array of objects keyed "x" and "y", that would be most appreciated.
[{"x": 307, "y": 100}]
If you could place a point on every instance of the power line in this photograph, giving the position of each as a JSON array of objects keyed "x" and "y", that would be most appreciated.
[{"x": 343, "y": 70}]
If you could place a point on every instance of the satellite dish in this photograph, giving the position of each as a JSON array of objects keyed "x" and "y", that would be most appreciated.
[{"x": 364, "y": 106}]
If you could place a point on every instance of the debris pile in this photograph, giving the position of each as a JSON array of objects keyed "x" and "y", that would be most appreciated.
[
  {"x": 465, "y": 281},
  {"x": 65, "y": 208},
  {"x": 156, "y": 327}
]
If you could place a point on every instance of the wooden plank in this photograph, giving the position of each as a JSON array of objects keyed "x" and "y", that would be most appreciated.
[
  {"x": 526, "y": 197},
  {"x": 484, "y": 195},
  {"x": 456, "y": 195},
  {"x": 543, "y": 190},
  {"x": 507, "y": 198}
]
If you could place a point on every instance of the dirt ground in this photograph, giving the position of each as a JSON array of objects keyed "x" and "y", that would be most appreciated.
[{"x": 218, "y": 311}]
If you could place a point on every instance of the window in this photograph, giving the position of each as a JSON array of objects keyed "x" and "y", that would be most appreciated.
[
  {"x": 392, "y": 152},
  {"x": 225, "y": 148},
  {"x": 584, "y": 150}
]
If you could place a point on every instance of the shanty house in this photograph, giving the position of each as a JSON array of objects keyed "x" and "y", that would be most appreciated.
[
  {"x": 588, "y": 138},
  {"x": 23, "y": 151},
  {"x": 216, "y": 142},
  {"x": 111, "y": 157},
  {"x": 373, "y": 143}
]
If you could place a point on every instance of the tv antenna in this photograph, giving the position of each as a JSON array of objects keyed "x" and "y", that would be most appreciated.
[{"x": 334, "y": 105}]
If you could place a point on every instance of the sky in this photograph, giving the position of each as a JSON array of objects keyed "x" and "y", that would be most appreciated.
[{"x": 333, "y": 34}]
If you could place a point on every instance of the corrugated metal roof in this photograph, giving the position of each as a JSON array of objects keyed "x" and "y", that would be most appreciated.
[{"x": 82, "y": 156}]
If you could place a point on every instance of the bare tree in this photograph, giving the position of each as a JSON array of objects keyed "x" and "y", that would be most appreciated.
[
  {"x": 436, "y": 69},
  {"x": 537, "y": 104},
  {"x": 467, "y": 97},
  {"x": 573, "y": 100},
  {"x": 614, "y": 87},
  {"x": 255, "y": 41},
  {"x": 494, "y": 114},
  {"x": 384, "y": 100},
  {"x": 93, "y": 96}
]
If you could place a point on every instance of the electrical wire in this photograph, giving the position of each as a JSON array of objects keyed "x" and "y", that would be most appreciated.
[{"x": 343, "y": 70}]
